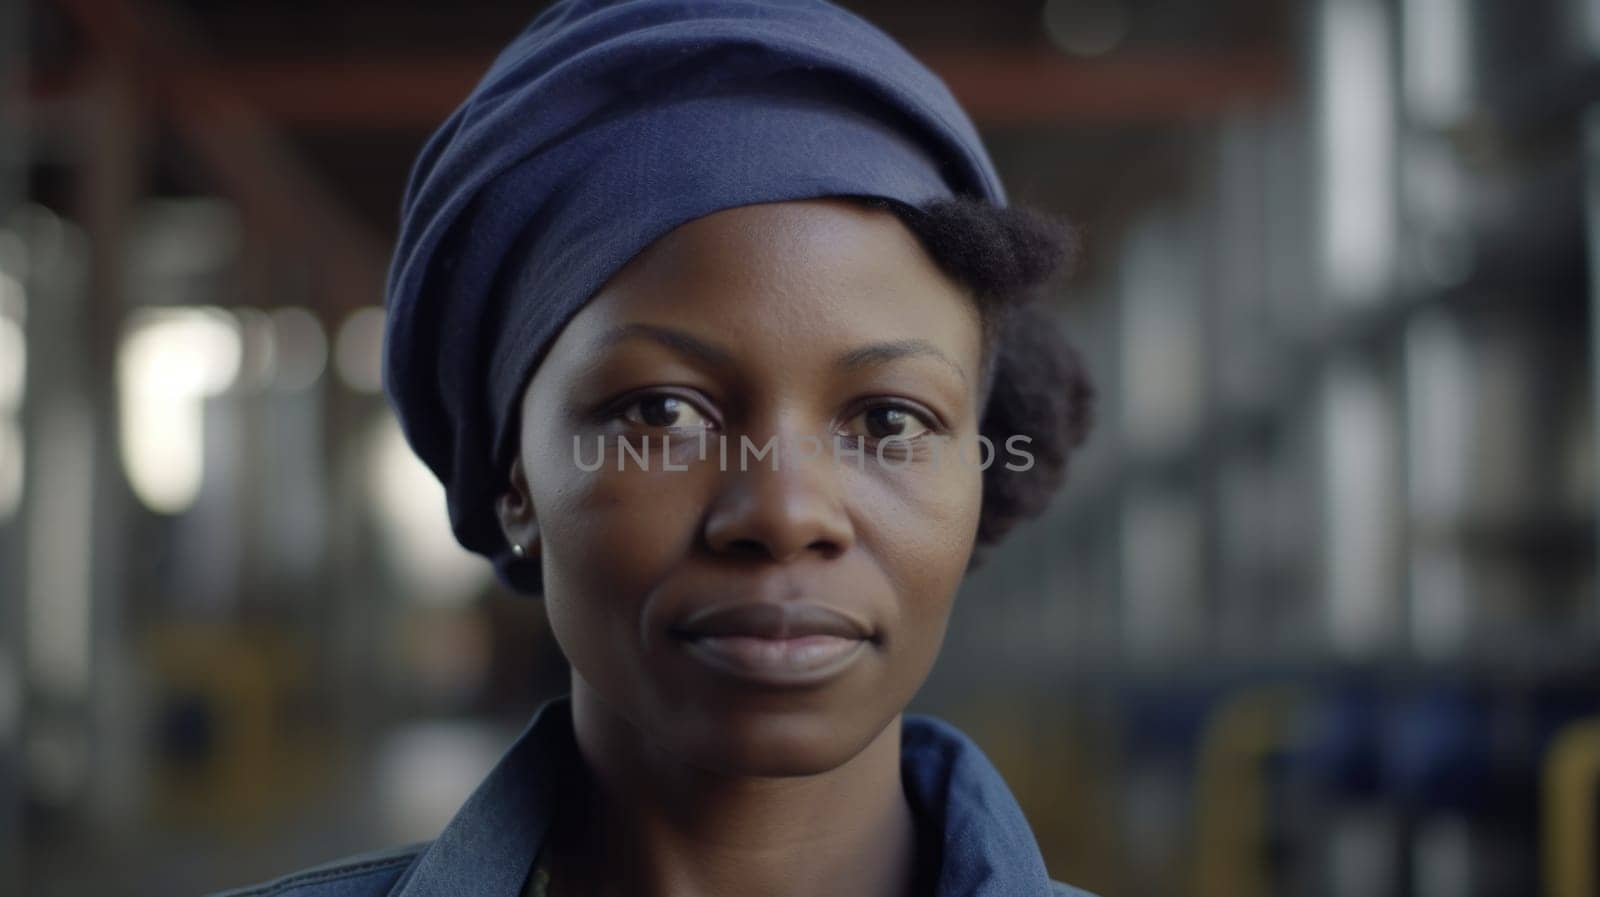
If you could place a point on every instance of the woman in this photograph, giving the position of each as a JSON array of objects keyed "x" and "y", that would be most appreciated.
[{"x": 705, "y": 314}]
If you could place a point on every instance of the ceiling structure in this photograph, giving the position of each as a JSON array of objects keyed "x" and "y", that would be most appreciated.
[{"x": 308, "y": 115}]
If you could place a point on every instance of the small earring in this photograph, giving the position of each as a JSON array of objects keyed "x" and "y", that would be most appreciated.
[{"x": 518, "y": 550}]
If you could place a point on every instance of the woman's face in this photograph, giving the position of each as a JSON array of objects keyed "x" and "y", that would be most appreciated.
[{"x": 820, "y": 327}]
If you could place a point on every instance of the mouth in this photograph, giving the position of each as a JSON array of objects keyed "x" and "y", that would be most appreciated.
[{"x": 784, "y": 644}]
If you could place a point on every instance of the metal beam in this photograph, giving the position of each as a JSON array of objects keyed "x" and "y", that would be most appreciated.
[
  {"x": 998, "y": 87},
  {"x": 243, "y": 150}
]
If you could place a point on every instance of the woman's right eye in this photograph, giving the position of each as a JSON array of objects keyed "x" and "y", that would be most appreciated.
[{"x": 665, "y": 411}]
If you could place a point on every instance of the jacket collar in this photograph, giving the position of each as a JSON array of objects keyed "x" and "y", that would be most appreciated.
[{"x": 985, "y": 845}]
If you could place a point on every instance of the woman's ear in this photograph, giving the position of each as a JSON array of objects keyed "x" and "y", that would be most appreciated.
[{"x": 517, "y": 520}]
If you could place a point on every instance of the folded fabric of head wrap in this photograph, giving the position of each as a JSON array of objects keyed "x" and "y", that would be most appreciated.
[{"x": 603, "y": 126}]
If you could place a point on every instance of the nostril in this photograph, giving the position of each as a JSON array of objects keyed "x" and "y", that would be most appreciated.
[
  {"x": 759, "y": 548},
  {"x": 756, "y": 519},
  {"x": 828, "y": 548},
  {"x": 747, "y": 547}
]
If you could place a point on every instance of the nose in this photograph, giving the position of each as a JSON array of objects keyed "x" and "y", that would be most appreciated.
[{"x": 779, "y": 511}]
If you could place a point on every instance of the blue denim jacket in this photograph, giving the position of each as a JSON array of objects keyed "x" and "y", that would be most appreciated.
[{"x": 985, "y": 846}]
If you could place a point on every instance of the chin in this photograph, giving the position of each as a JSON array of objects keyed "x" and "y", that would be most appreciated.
[{"x": 777, "y": 743}]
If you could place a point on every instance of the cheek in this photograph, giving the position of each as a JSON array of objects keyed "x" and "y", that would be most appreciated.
[
  {"x": 608, "y": 537},
  {"x": 921, "y": 525}
]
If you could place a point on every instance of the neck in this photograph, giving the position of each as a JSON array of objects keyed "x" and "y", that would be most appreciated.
[{"x": 646, "y": 823}]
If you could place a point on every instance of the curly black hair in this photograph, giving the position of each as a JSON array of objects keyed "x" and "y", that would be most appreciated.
[{"x": 1035, "y": 384}]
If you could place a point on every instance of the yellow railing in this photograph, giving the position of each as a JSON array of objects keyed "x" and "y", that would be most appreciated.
[{"x": 1571, "y": 789}]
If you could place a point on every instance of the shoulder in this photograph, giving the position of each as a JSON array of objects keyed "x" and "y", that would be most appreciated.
[
  {"x": 370, "y": 874},
  {"x": 1062, "y": 889}
]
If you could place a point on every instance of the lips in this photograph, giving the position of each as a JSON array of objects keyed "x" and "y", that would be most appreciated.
[
  {"x": 772, "y": 620},
  {"x": 787, "y": 644}
]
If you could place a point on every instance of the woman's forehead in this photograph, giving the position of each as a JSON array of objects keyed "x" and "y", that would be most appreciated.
[
  {"x": 821, "y": 228},
  {"x": 796, "y": 278}
]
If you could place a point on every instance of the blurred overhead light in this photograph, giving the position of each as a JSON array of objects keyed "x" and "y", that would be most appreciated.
[
  {"x": 1437, "y": 45},
  {"x": 1162, "y": 357},
  {"x": 1440, "y": 380},
  {"x": 414, "y": 522},
  {"x": 285, "y": 349},
  {"x": 13, "y": 253},
  {"x": 61, "y": 550},
  {"x": 13, "y": 347},
  {"x": 358, "y": 351},
  {"x": 1086, "y": 27},
  {"x": 1356, "y": 107},
  {"x": 300, "y": 349},
  {"x": 1588, "y": 16},
  {"x": 169, "y": 362},
  {"x": 13, "y": 383},
  {"x": 12, "y": 466},
  {"x": 258, "y": 345},
  {"x": 1359, "y": 482},
  {"x": 60, "y": 547}
]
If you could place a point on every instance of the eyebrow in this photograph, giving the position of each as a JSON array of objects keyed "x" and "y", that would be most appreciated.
[
  {"x": 879, "y": 353},
  {"x": 853, "y": 360},
  {"x": 671, "y": 338}
]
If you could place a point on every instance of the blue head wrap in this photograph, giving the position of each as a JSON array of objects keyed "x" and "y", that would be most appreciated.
[{"x": 603, "y": 126}]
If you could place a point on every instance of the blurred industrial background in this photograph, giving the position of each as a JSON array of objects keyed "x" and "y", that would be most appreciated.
[{"x": 1317, "y": 614}]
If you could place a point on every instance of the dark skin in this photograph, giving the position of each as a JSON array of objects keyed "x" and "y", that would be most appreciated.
[{"x": 803, "y": 320}]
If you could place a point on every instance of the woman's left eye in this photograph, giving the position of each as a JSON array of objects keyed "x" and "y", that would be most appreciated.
[
  {"x": 888, "y": 422},
  {"x": 664, "y": 410}
]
